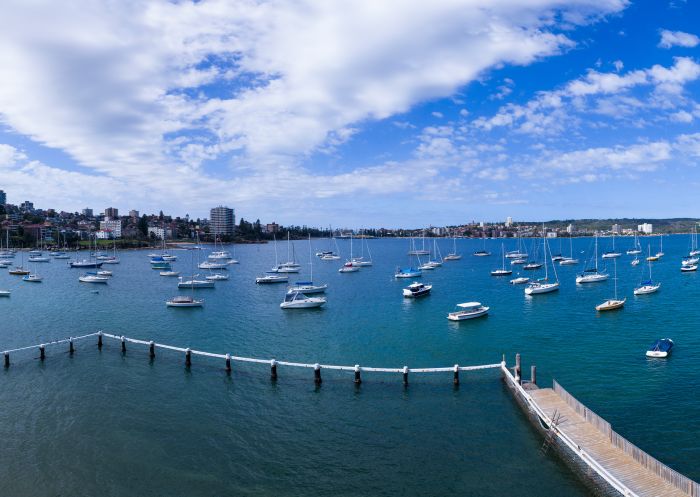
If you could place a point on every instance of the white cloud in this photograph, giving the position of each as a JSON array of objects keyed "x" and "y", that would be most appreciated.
[
  {"x": 119, "y": 87},
  {"x": 619, "y": 65},
  {"x": 677, "y": 38},
  {"x": 682, "y": 117}
]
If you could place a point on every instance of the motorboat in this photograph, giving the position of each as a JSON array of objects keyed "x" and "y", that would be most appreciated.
[
  {"x": 689, "y": 269},
  {"x": 690, "y": 261},
  {"x": 163, "y": 265},
  {"x": 660, "y": 348},
  {"x": 297, "y": 300},
  {"x": 104, "y": 272},
  {"x": 308, "y": 287},
  {"x": 568, "y": 261},
  {"x": 193, "y": 282},
  {"x": 272, "y": 279},
  {"x": 221, "y": 255},
  {"x": 519, "y": 280},
  {"x": 5, "y": 293},
  {"x": 184, "y": 301},
  {"x": 214, "y": 265},
  {"x": 348, "y": 268},
  {"x": 517, "y": 261},
  {"x": 532, "y": 266},
  {"x": 39, "y": 258},
  {"x": 408, "y": 272},
  {"x": 481, "y": 253},
  {"x": 93, "y": 278},
  {"x": 33, "y": 278},
  {"x": 217, "y": 277},
  {"x": 415, "y": 290},
  {"x": 468, "y": 310},
  {"x": 170, "y": 273}
]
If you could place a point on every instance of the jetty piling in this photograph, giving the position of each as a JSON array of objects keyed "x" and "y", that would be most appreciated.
[
  {"x": 228, "y": 363},
  {"x": 317, "y": 374},
  {"x": 455, "y": 380},
  {"x": 405, "y": 376},
  {"x": 152, "y": 350},
  {"x": 99, "y": 340},
  {"x": 7, "y": 359},
  {"x": 533, "y": 374},
  {"x": 518, "y": 371},
  {"x": 71, "y": 348},
  {"x": 188, "y": 358},
  {"x": 42, "y": 352},
  {"x": 123, "y": 345},
  {"x": 358, "y": 378},
  {"x": 273, "y": 370}
]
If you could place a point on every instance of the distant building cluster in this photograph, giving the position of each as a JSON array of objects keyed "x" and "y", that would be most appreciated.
[{"x": 645, "y": 228}]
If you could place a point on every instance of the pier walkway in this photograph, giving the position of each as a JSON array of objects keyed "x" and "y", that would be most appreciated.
[{"x": 589, "y": 438}]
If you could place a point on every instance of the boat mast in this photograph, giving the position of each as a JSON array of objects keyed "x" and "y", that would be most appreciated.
[
  {"x": 311, "y": 264},
  {"x": 544, "y": 249}
]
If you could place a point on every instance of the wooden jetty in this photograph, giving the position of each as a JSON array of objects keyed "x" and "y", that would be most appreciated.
[{"x": 607, "y": 462}]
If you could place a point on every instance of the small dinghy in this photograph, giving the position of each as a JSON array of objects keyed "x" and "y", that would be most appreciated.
[{"x": 661, "y": 348}]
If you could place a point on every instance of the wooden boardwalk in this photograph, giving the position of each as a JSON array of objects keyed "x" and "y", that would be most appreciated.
[{"x": 635, "y": 476}]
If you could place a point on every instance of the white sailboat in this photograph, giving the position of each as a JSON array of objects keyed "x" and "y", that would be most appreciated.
[
  {"x": 612, "y": 254},
  {"x": 646, "y": 287},
  {"x": 483, "y": 252},
  {"x": 308, "y": 287},
  {"x": 636, "y": 249},
  {"x": 517, "y": 254},
  {"x": 614, "y": 303},
  {"x": 349, "y": 267},
  {"x": 503, "y": 271},
  {"x": 660, "y": 253},
  {"x": 569, "y": 261},
  {"x": 694, "y": 242},
  {"x": 453, "y": 256},
  {"x": 592, "y": 275},
  {"x": 543, "y": 285},
  {"x": 361, "y": 261}
]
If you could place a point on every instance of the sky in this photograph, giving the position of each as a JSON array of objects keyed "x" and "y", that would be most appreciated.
[{"x": 394, "y": 113}]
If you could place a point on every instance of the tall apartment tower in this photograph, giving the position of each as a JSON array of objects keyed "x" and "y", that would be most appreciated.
[{"x": 221, "y": 221}]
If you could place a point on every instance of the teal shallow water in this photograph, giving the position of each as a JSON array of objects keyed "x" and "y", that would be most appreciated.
[{"x": 113, "y": 425}]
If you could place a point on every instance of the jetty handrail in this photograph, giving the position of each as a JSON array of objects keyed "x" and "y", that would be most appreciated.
[
  {"x": 669, "y": 475},
  {"x": 575, "y": 448},
  {"x": 229, "y": 357}
]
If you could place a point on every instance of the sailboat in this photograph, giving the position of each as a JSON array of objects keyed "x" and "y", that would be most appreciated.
[
  {"x": 33, "y": 277},
  {"x": 291, "y": 266},
  {"x": 660, "y": 253},
  {"x": 503, "y": 271},
  {"x": 517, "y": 254},
  {"x": 189, "y": 300},
  {"x": 591, "y": 275},
  {"x": 330, "y": 255},
  {"x": 415, "y": 251},
  {"x": 453, "y": 256},
  {"x": 636, "y": 249},
  {"x": 614, "y": 303},
  {"x": 193, "y": 282},
  {"x": 219, "y": 255},
  {"x": 569, "y": 261},
  {"x": 349, "y": 267},
  {"x": 648, "y": 286},
  {"x": 532, "y": 265},
  {"x": 612, "y": 254},
  {"x": 111, "y": 259},
  {"x": 437, "y": 259},
  {"x": 543, "y": 285},
  {"x": 483, "y": 252},
  {"x": 694, "y": 243},
  {"x": 273, "y": 278},
  {"x": 308, "y": 287},
  {"x": 361, "y": 261}
]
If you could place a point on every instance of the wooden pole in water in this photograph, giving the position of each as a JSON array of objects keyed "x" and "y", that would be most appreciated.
[
  {"x": 7, "y": 359},
  {"x": 456, "y": 378},
  {"x": 71, "y": 348},
  {"x": 42, "y": 352},
  {"x": 188, "y": 358},
  {"x": 152, "y": 350},
  {"x": 317, "y": 374},
  {"x": 228, "y": 363},
  {"x": 533, "y": 374},
  {"x": 358, "y": 378},
  {"x": 405, "y": 376},
  {"x": 123, "y": 345},
  {"x": 518, "y": 376},
  {"x": 273, "y": 370},
  {"x": 99, "y": 340}
]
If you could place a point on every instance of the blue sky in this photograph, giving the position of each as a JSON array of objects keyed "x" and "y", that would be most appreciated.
[{"x": 393, "y": 113}]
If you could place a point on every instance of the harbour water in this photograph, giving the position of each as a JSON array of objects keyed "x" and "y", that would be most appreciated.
[{"x": 98, "y": 423}]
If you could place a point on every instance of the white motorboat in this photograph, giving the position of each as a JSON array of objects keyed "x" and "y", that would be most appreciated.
[
  {"x": 217, "y": 277},
  {"x": 660, "y": 348},
  {"x": 308, "y": 288},
  {"x": 348, "y": 268},
  {"x": 170, "y": 273},
  {"x": 415, "y": 290},
  {"x": 104, "y": 272},
  {"x": 184, "y": 301},
  {"x": 272, "y": 278},
  {"x": 468, "y": 310},
  {"x": 690, "y": 261},
  {"x": 193, "y": 282},
  {"x": 517, "y": 261},
  {"x": 297, "y": 300},
  {"x": 212, "y": 265},
  {"x": 5, "y": 293},
  {"x": 33, "y": 278},
  {"x": 39, "y": 258},
  {"x": 93, "y": 278},
  {"x": 520, "y": 280},
  {"x": 689, "y": 269}
]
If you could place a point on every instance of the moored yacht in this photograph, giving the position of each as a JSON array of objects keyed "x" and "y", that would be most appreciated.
[
  {"x": 468, "y": 310},
  {"x": 297, "y": 300},
  {"x": 415, "y": 290}
]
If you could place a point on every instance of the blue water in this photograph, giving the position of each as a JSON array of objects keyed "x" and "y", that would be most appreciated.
[{"x": 100, "y": 423}]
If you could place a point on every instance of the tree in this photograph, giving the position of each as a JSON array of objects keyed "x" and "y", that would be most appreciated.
[{"x": 143, "y": 225}]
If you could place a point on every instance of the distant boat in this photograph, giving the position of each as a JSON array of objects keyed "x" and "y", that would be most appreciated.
[
  {"x": 569, "y": 261},
  {"x": 408, "y": 272},
  {"x": 517, "y": 261},
  {"x": 635, "y": 261},
  {"x": 85, "y": 263},
  {"x": 543, "y": 285},
  {"x": 297, "y": 300},
  {"x": 217, "y": 277},
  {"x": 468, "y": 310},
  {"x": 414, "y": 251},
  {"x": 613, "y": 303},
  {"x": 184, "y": 301},
  {"x": 689, "y": 269},
  {"x": 93, "y": 278},
  {"x": 518, "y": 253},
  {"x": 520, "y": 280},
  {"x": 361, "y": 261},
  {"x": 5, "y": 293},
  {"x": 170, "y": 273},
  {"x": 503, "y": 271},
  {"x": 272, "y": 279},
  {"x": 612, "y": 254},
  {"x": 660, "y": 348},
  {"x": 33, "y": 278},
  {"x": 415, "y": 290},
  {"x": 648, "y": 286},
  {"x": 591, "y": 275},
  {"x": 636, "y": 248},
  {"x": 661, "y": 253},
  {"x": 453, "y": 256},
  {"x": 308, "y": 287},
  {"x": 694, "y": 243},
  {"x": 212, "y": 265},
  {"x": 483, "y": 252},
  {"x": 349, "y": 267}
]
